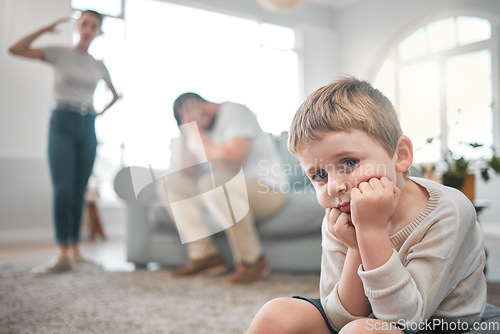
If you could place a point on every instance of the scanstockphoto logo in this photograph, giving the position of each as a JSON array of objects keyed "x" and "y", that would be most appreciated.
[
  {"x": 197, "y": 185},
  {"x": 434, "y": 325}
]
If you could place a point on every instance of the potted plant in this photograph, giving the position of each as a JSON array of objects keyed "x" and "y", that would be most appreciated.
[{"x": 459, "y": 170}]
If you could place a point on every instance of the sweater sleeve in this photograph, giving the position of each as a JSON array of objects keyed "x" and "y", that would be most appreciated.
[
  {"x": 411, "y": 285},
  {"x": 436, "y": 270},
  {"x": 332, "y": 262}
]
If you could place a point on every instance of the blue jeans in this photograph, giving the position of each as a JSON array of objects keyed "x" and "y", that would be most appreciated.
[{"x": 72, "y": 149}]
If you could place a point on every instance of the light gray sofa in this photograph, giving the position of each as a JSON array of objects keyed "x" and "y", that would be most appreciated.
[{"x": 291, "y": 238}]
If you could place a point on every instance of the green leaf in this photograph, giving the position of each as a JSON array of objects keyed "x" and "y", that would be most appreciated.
[
  {"x": 494, "y": 163},
  {"x": 475, "y": 145},
  {"x": 485, "y": 175}
]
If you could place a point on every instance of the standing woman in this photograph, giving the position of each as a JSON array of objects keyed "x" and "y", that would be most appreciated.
[{"x": 72, "y": 141}]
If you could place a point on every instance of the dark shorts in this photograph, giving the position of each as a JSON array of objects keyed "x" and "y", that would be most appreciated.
[{"x": 317, "y": 303}]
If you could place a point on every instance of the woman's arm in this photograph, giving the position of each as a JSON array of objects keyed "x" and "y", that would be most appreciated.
[
  {"x": 115, "y": 97},
  {"x": 23, "y": 46}
]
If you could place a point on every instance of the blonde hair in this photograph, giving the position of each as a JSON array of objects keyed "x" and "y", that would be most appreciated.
[{"x": 346, "y": 104}]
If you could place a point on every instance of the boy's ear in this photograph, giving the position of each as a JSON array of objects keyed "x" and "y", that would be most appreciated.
[{"x": 403, "y": 154}]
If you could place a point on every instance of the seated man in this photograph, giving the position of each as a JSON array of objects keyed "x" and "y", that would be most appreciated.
[{"x": 228, "y": 134}]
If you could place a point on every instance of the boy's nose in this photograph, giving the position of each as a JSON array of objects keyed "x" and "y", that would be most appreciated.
[{"x": 336, "y": 187}]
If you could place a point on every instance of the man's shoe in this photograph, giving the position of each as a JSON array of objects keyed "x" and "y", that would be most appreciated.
[
  {"x": 249, "y": 273},
  {"x": 56, "y": 265},
  {"x": 210, "y": 267}
]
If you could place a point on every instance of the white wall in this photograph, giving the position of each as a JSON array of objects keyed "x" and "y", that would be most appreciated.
[
  {"x": 26, "y": 85},
  {"x": 320, "y": 56},
  {"x": 368, "y": 29},
  {"x": 25, "y": 100}
]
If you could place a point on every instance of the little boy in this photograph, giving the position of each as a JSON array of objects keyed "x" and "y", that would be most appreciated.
[{"x": 400, "y": 254}]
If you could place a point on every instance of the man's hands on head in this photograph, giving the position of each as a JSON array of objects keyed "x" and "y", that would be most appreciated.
[{"x": 191, "y": 112}]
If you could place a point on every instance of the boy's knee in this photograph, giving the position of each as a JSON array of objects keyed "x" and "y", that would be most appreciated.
[
  {"x": 274, "y": 317},
  {"x": 355, "y": 326}
]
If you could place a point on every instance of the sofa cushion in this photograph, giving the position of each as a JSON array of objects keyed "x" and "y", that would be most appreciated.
[
  {"x": 301, "y": 214},
  {"x": 491, "y": 315},
  {"x": 290, "y": 164},
  {"x": 158, "y": 217}
]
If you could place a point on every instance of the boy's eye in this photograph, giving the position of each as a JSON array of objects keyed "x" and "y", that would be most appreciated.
[
  {"x": 349, "y": 163},
  {"x": 319, "y": 175}
]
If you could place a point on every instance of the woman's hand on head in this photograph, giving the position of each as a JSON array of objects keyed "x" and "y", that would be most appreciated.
[
  {"x": 23, "y": 46},
  {"x": 52, "y": 27}
]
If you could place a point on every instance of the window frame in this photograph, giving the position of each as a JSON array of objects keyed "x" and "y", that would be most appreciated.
[
  {"x": 121, "y": 15},
  {"x": 440, "y": 57}
]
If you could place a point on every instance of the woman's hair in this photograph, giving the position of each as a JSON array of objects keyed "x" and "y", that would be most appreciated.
[
  {"x": 95, "y": 14},
  {"x": 343, "y": 105},
  {"x": 179, "y": 102}
]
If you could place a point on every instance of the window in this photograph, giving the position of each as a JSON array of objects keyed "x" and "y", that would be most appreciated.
[
  {"x": 172, "y": 49},
  {"x": 440, "y": 80},
  {"x": 112, "y": 8}
]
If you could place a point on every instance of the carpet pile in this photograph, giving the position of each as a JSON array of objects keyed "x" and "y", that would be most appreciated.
[{"x": 93, "y": 301}]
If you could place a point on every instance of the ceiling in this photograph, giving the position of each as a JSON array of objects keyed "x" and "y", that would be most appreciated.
[{"x": 336, "y": 4}]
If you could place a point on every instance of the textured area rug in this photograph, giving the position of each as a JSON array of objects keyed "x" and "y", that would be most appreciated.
[{"x": 93, "y": 301}]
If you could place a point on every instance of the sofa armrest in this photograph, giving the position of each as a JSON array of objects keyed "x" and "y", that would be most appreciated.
[
  {"x": 138, "y": 229},
  {"x": 123, "y": 185},
  {"x": 136, "y": 184}
]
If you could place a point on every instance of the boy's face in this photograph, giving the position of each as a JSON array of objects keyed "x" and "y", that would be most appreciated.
[{"x": 340, "y": 161}]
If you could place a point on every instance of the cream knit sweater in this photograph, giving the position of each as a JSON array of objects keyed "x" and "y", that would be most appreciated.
[{"x": 436, "y": 270}]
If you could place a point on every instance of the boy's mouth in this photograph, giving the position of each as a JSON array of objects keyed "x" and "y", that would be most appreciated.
[{"x": 345, "y": 207}]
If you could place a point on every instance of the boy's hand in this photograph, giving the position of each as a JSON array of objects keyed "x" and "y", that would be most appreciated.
[
  {"x": 373, "y": 203},
  {"x": 341, "y": 227}
]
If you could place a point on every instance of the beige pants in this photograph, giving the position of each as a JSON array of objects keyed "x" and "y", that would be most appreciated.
[{"x": 242, "y": 234}]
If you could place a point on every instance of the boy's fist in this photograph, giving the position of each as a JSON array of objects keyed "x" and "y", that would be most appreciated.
[
  {"x": 373, "y": 203},
  {"x": 341, "y": 227}
]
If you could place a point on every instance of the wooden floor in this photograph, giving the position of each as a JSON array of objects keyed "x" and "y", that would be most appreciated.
[{"x": 111, "y": 254}]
